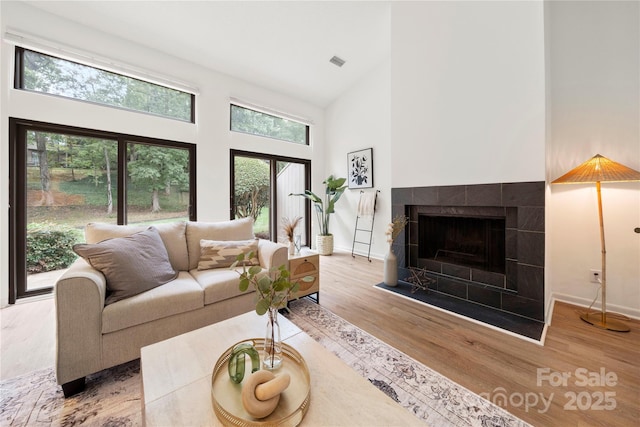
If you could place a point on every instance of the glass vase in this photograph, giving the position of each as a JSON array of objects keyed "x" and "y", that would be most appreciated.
[
  {"x": 272, "y": 354},
  {"x": 390, "y": 269},
  {"x": 298, "y": 243}
]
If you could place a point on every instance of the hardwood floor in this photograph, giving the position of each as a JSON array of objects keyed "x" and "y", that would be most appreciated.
[
  {"x": 27, "y": 337},
  {"x": 479, "y": 358},
  {"x": 491, "y": 362}
]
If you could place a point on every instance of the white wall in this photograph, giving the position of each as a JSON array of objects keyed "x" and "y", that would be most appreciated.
[
  {"x": 593, "y": 107},
  {"x": 467, "y": 93},
  {"x": 360, "y": 119},
  {"x": 210, "y": 133},
  {"x": 462, "y": 101}
]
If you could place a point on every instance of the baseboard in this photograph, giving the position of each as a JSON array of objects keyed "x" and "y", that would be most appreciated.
[
  {"x": 359, "y": 252},
  {"x": 585, "y": 302}
]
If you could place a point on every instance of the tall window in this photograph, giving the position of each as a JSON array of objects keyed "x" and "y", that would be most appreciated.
[
  {"x": 260, "y": 188},
  {"x": 38, "y": 72},
  {"x": 263, "y": 124},
  {"x": 66, "y": 177}
]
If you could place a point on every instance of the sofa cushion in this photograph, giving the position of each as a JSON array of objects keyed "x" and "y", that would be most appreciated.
[
  {"x": 219, "y": 284},
  {"x": 236, "y": 229},
  {"x": 131, "y": 264},
  {"x": 223, "y": 253},
  {"x": 173, "y": 235},
  {"x": 180, "y": 295}
]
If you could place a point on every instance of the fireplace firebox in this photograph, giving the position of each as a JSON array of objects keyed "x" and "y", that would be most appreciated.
[{"x": 467, "y": 241}]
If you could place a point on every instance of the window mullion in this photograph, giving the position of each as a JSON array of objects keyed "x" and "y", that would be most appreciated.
[{"x": 122, "y": 181}]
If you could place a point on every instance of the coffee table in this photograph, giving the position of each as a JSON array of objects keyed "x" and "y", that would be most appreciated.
[{"x": 176, "y": 379}]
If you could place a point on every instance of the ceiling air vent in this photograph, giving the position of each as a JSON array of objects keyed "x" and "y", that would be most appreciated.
[{"x": 337, "y": 61}]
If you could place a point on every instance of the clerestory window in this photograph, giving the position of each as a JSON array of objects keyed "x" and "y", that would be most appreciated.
[
  {"x": 38, "y": 72},
  {"x": 262, "y": 124}
]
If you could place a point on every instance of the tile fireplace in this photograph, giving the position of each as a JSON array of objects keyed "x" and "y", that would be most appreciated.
[{"x": 482, "y": 244}]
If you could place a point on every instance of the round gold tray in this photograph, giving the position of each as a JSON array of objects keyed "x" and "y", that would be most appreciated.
[{"x": 294, "y": 401}]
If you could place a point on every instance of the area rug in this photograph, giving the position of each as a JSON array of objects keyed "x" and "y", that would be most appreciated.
[
  {"x": 112, "y": 396},
  {"x": 421, "y": 390}
]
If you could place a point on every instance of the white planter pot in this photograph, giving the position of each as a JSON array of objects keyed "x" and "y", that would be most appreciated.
[{"x": 324, "y": 244}]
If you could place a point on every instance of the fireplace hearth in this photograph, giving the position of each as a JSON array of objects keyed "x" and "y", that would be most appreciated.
[{"x": 483, "y": 244}]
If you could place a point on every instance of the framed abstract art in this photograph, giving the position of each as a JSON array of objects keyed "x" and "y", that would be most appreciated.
[{"x": 360, "y": 168}]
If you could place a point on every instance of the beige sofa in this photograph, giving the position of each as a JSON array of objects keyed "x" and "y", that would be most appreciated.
[{"x": 92, "y": 336}]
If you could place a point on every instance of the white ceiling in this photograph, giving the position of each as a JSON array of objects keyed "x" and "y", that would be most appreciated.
[{"x": 280, "y": 45}]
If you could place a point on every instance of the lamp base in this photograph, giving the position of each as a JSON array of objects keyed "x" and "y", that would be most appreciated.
[{"x": 595, "y": 319}]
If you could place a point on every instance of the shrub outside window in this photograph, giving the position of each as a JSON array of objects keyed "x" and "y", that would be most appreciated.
[
  {"x": 262, "y": 124},
  {"x": 38, "y": 72}
]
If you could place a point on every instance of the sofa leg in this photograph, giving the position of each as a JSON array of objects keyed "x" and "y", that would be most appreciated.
[{"x": 73, "y": 387}]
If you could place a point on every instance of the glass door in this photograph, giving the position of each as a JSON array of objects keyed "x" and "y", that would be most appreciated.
[
  {"x": 70, "y": 181},
  {"x": 64, "y": 177},
  {"x": 291, "y": 179},
  {"x": 260, "y": 187}
]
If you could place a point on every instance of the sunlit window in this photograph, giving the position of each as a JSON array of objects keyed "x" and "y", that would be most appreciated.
[
  {"x": 38, "y": 72},
  {"x": 267, "y": 125}
]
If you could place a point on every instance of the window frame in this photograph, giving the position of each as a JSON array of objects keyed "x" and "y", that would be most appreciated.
[
  {"x": 18, "y": 195},
  {"x": 19, "y": 85},
  {"x": 272, "y": 114}
]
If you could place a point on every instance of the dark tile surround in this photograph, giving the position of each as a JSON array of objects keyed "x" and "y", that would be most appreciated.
[{"x": 520, "y": 290}]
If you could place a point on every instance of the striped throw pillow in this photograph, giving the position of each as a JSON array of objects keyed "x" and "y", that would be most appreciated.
[{"x": 219, "y": 254}]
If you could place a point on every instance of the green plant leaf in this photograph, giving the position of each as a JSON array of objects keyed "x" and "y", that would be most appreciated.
[
  {"x": 264, "y": 284},
  {"x": 334, "y": 187},
  {"x": 254, "y": 270},
  {"x": 280, "y": 285},
  {"x": 262, "y": 307},
  {"x": 244, "y": 284}
]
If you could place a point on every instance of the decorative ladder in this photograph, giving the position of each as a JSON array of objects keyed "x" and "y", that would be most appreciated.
[{"x": 368, "y": 231}]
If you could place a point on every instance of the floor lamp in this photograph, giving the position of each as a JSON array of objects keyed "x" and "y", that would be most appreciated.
[{"x": 600, "y": 169}]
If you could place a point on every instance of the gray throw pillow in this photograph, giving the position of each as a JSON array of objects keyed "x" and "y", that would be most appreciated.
[{"x": 131, "y": 265}]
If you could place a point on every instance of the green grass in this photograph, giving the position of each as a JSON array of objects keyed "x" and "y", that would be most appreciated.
[
  {"x": 262, "y": 222},
  {"x": 91, "y": 205},
  {"x": 94, "y": 196}
]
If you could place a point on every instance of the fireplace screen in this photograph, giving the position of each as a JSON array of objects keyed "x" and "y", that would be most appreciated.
[{"x": 467, "y": 241}]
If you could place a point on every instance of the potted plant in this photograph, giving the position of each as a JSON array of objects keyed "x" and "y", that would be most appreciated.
[
  {"x": 273, "y": 289},
  {"x": 334, "y": 187}
]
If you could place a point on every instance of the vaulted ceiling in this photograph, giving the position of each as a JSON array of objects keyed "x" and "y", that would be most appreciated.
[{"x": 280, "y": 45}]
